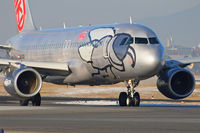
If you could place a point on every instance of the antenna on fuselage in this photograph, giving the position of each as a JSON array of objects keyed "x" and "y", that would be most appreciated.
[
  {"x": 40, "y": 27},
  {"x": 64, "y": 25},
  {"x": 131, "y": 21}
]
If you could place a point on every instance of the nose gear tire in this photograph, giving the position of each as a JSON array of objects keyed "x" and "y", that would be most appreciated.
[
  {"x": 122, "y": 99},
  {"x": 125, "y": 100}
]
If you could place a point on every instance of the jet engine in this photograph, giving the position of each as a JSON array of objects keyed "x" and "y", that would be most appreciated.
[
  {"x": 23, "y": 83},
  {"x": 176, "y": 83}
]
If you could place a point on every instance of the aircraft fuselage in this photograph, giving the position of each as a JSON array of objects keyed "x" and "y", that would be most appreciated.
[{"x": 97, "y": 54}]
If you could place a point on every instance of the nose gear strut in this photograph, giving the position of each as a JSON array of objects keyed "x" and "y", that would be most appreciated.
[{"x": 131, "y": 98}]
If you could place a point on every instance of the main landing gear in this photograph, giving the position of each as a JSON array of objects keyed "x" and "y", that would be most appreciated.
[
  {"x": 131, "y": 98},
  {"x": 36, "y": 101}
]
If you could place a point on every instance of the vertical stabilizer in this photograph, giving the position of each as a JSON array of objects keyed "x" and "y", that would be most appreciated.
[{"x": 23, "y": 16}]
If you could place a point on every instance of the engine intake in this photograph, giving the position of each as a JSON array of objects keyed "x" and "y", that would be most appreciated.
[
  {"x": 176, "y": 83},
  {"x": 23, "y": 83}
]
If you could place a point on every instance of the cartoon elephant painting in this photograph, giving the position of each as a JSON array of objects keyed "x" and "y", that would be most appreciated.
[{"x": 107, "y": 50}]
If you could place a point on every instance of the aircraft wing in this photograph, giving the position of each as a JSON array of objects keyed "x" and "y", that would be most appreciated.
[
  {"x": 189, "y": 60},
  {"x": 45, "y": 68},
  {"x": 6, "y": 47},
  {"x": 181, "y": 62}
]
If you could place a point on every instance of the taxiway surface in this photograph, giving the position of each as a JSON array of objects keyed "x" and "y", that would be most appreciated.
[{"x": 68, "y": 118}]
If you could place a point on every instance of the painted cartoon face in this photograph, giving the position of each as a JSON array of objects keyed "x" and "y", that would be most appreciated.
[
  {"x": 121, "y": 48},
  {"x": 107, "y": 50}
]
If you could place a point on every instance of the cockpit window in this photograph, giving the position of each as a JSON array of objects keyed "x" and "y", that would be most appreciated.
[
  {"x": 139, "y": 40},
  {"x": 127, "y": 41},
  {"x": 130, "y": 41},
  {"x": 153, "y": 40},
  {"x": 123, "y": 41}
]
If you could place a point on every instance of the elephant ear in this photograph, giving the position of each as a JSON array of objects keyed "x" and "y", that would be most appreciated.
[
  {"x": 85, "y": 52},
  {"x": 98, "y": 34}
]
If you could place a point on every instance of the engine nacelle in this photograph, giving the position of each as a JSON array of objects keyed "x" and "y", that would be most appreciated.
[
  {"x": 176, "y": 83},
  {"x": 23, "y": 83}
]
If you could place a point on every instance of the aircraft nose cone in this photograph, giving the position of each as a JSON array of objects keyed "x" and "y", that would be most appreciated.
[
  {"x": 153, "y": 62},
  {"x": 156, "y": 60}
]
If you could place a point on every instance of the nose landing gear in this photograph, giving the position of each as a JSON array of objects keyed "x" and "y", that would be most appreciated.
[{"x": 131, "y": 98}]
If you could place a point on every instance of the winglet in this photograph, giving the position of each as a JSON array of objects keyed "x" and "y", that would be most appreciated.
[{"x": 23, "y": 16}]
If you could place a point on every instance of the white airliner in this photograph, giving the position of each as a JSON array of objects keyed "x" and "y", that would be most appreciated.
[{"x": 92, "y": 55}]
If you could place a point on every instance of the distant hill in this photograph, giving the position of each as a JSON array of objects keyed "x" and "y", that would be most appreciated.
[{"x": 184, "y": 27}]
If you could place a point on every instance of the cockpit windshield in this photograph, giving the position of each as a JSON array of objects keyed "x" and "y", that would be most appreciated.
[
  {"x": 142, "y": 40},
  {"x": 153, "y": 40},
  {"x": 139, "y": 40},
  {"x": 130, "y": 41},
  {"x": 123, "y": 41},
  {"x": 127, "y": 41}
]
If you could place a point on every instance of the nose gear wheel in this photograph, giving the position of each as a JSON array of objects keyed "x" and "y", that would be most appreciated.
[{"x": 131, "y": 98}]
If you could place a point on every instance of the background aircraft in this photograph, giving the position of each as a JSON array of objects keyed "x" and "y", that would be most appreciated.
[{"x": 92, "y": 55}]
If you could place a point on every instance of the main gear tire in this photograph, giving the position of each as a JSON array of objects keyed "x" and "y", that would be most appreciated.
[{"x": 36, "y": 100}]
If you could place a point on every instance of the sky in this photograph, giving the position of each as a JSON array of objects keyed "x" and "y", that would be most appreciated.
[{"x": 156, "y": 14}]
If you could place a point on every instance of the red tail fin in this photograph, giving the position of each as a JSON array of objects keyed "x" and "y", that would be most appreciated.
[{"x": 23, "y": 15}]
